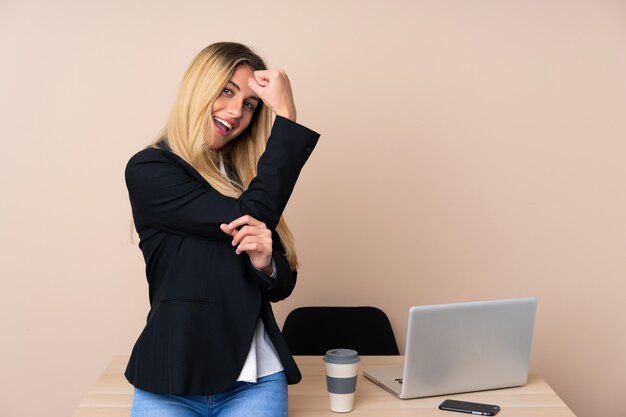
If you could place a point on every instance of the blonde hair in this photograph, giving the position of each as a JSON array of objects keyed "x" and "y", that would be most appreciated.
[{"x": 187, "y": 131}]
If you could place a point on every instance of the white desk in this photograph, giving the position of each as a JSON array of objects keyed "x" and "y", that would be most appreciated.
[{"x": 111, "y": 396}]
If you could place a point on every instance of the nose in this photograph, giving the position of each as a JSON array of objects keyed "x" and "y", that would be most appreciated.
[{"x": 235, "y": 108}]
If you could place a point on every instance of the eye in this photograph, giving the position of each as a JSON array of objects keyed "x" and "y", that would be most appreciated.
[
  {"x": 248, "y": 105},
  {"x": 227, "y": 91}
]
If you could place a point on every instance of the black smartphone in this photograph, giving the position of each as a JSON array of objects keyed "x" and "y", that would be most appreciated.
[{"x": 471, "y": 408}]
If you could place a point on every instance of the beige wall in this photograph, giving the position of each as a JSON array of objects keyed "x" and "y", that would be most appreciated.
[{"x": 470, "y": 150}]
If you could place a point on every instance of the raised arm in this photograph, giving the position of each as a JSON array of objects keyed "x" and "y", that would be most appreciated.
[{"x": 166, "y": 193}]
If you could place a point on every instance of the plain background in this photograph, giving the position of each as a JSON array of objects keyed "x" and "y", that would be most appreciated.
[{"x": 470, "y": 150}]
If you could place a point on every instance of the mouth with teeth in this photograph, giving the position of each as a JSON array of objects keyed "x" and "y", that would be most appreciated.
[{"x": 223, "y": 127}]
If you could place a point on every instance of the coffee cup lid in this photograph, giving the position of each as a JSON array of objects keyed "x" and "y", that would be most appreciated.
[{"x": 341, "y": 356}]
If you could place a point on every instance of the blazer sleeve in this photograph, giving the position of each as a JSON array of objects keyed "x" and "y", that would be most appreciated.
[
  {"x": 168, "y": 194},
  {"x": 280, "y": 287}
]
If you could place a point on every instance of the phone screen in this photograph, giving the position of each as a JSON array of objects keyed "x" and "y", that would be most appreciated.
[{"x": 468, "y": 407}]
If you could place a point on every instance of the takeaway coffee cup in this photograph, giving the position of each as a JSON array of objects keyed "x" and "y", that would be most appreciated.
[{"x": 341, "y": 370}]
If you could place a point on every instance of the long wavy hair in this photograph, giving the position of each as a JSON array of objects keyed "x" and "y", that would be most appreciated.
[{"x": 188, "y": 131}]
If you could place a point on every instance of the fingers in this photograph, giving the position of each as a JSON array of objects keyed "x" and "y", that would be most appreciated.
[
  {"x": 252, "y": 237},
  {"x": 266, "y": 80},
  {"x": 250, "y": 231},
  {"x": 226, "y": 230},
  {"x": 248, "y": 226},
  {"x": 274, "y": 89},
  {"x": 256, "y": 87},
  {"x": 263, "y": 77},
  {"x": 259, "y": 244},
  {"x": 243, "y": 220}
]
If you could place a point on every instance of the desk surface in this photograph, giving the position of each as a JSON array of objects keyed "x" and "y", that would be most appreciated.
[{"x": 111, "y": 396}]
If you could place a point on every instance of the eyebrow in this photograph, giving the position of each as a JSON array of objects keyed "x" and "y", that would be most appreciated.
[{"x": 239, "y": 89}]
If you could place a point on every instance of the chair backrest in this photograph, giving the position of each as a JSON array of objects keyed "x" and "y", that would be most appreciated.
[{"x": 314, "y": 330}]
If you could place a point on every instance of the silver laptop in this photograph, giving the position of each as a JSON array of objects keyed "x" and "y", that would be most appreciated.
[{"x": 453, "y": 348}]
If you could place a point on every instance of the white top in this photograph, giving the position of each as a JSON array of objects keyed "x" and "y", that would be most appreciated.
[{"x": 262, "y": 358}]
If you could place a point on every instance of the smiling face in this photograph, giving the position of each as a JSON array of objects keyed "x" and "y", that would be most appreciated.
[{"x": 233, "y": 109}]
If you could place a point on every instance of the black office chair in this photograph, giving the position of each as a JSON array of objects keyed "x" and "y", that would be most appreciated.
[{"x": 314, "y": 330}]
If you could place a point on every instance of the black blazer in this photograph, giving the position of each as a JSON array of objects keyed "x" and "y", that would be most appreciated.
[{"x": 205, "y": 300}]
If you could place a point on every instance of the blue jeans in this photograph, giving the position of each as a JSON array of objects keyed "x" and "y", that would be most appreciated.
[{"x": 265, "y": 398}]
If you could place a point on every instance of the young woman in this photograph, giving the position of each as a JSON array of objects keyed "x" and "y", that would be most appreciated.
[{"x": 207, "y": 199}]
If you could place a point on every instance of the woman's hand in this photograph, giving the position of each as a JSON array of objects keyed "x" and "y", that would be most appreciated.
[
  {"x": 254, "y": 238},
  {"x": 274, "y": 89}
]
